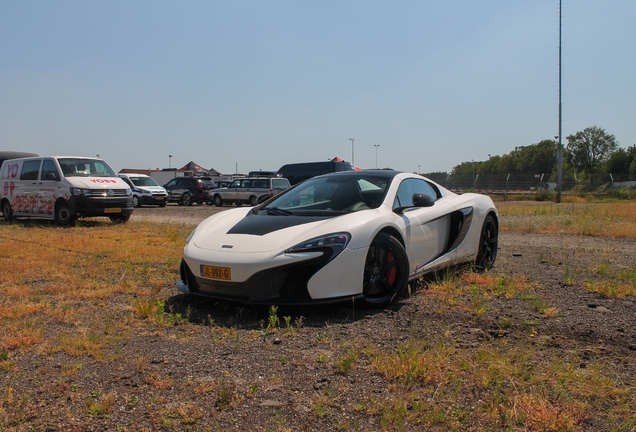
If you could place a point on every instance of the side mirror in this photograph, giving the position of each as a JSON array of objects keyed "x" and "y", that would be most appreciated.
[{"x": 423, "y": 200}]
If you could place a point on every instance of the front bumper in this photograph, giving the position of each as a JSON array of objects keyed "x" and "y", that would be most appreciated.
[
  {"x": 283, "y": 285},
  {"x": 101, "y": 206}
]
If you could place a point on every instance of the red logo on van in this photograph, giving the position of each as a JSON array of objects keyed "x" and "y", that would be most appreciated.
[{"x": 99, "y": 180}]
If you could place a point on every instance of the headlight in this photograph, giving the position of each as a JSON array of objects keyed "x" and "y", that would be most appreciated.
[
  {"x": 128, "y": 191},
  {"x": 81, "y": 192},
  {"x": 336, "y": 242}
]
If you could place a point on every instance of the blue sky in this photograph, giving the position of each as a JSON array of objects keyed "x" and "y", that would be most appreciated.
[{"x": 256, "y": 84}]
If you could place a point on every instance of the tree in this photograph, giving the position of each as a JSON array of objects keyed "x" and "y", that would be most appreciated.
[{"x": 589, "y": 149}]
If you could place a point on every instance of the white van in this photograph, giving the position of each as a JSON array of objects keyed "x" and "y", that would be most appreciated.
[{"x": 63, "y": 188}]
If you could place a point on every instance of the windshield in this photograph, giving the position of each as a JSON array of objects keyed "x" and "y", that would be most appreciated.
[
  {"x": 81, "y": 167},
  {"x": 143, "y": 181},
  {"x": 328, "y": 194}
]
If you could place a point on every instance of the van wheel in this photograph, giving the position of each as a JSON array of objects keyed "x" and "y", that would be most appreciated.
[
  {"x": 186, "y": 199},
  {"x": 218, "y": 201},
  {"x": 135, "y": 201},
  {"x": 63, "y": 215},
  {"x": 7, "y": 213},
  {"x": 120, "y": 219},
  {"x": 253, "y": 201}
]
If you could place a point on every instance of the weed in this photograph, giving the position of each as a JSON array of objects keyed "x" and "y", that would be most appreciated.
[{"x": 345, "y": 364}]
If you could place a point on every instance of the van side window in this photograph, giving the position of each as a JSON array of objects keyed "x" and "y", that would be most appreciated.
[
  {"x": 49, "y": 171},
  {"x": 30, "y": 170}
]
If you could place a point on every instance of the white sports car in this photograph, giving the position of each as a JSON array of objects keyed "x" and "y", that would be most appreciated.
[{"x": 346, "y": 236}]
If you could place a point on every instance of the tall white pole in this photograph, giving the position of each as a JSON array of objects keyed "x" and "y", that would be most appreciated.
[
  {"x": 352, "y": 160},
  {"x": 560, "y": 146}
]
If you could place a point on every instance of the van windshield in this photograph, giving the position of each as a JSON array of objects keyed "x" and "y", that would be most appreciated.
[{"x": 80, "y": 167}]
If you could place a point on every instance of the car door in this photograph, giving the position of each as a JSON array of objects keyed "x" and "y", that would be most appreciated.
[
  {"x": 50, "y": 187},
  {"x": 172, "y": 187},
  {"x": 233, "y": 190},
  {"x": 426, "y": 228},
  {"x": 31, "y": 189}
]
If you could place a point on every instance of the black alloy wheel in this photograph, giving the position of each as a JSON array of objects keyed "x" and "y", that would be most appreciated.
[
  {"x": 488, "y": 242},
  {"x": 386, "y": 271},
  {"x": 186, "y": 199}
]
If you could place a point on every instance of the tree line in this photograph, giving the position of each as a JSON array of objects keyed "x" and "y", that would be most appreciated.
[{"x": 587, "y": 153}]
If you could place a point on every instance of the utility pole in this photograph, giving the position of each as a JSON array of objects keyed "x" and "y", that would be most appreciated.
[
  {"x": 560, "y": 144},
  {"x": 352, "y": 161},
  {"x": 376, "y": 154}
]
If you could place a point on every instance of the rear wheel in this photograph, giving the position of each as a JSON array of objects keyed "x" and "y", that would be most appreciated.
[
  {"x": 63, "y": 215},
  {"x": 488, "y": 243},
  {"x": 7, "y": 213},
  {"x": 386, "y": 271},
  {"x": 186, "y": 199}
]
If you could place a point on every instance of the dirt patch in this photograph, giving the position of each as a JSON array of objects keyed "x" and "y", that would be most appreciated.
[{"x": 218, "y": 367}]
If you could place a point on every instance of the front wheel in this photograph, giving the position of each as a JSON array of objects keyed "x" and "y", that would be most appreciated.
[
  {"x": 218, "y": 201},
  {"x": 253, "y": 201},
  {"x": 488, "y": 242},
  {"x": 386, "y": 271},
  {"x": 63, "y": 215},
  {"x": 7, "y": 213}
]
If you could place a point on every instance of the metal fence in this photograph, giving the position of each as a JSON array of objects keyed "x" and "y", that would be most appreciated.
[{"x": 532, "y": 183}]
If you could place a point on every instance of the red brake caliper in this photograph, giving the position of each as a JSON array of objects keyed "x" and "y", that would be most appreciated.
[{"x": 390, "y": 275}]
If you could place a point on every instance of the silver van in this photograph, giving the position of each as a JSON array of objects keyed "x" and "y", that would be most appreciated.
[{"x": 63, "y": 188}]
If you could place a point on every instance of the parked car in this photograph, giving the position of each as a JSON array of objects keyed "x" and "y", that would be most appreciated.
[
  {"x": 189, "y": 190},
  {"x": 63, "y": 188},
  {"x": 145, "y": 190},
  {"x": 348, "y": 236},
  {"x": 248, "y": 190}
]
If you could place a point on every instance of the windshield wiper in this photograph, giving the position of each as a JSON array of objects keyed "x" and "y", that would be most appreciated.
[{"x": 277, "y": 211}]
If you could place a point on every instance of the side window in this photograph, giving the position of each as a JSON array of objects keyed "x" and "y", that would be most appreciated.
[
  {"x": 409, "y": 187},
  {"x": 171, "y": 183},
  {"x": 246, "y": 184},
  {"x": 49, "y": 171},
  {"x": 30, "y": 170},
  {"x": 279, "y": 184}
]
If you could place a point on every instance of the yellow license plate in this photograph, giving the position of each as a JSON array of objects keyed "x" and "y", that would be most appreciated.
[
  {"x": 213, "y": 272},
  {"x": 160, "y": 198},
  {"x": 112, "y": 210}
]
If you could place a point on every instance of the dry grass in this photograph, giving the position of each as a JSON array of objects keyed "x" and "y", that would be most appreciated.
[
  {"x": 69, "y": 277},
  {"x": 614, "y": 220}
]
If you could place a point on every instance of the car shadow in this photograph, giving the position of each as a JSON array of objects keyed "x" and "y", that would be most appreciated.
[{"x": 204, "y": 311}]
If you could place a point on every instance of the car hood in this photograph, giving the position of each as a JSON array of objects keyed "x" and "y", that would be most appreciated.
[
  {"x": 97, "y": 182},
  {"x": 238, "y": 231}
]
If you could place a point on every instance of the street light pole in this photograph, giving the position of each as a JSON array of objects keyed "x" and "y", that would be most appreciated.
[
  {"x": 376, "y": 154},
  {"x": 169, "y": 161},
  {"x": 352, "y": 160}
]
